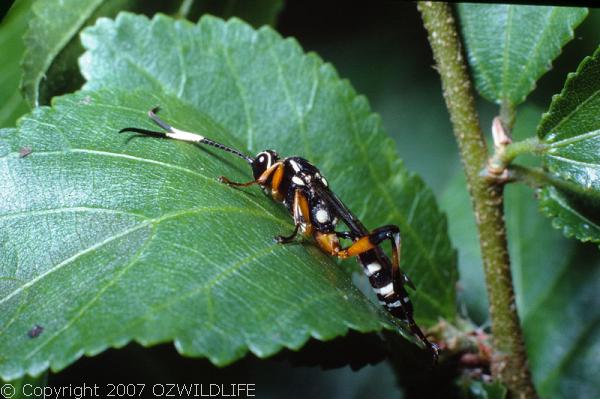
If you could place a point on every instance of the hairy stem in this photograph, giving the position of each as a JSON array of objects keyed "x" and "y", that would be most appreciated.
[{"x": 509, "y": 362}]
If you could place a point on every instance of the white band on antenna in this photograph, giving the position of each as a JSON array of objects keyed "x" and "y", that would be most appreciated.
[{"x": 184, "y": 136}]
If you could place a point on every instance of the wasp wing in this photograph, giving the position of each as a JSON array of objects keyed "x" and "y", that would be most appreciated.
[{"x": 342, "y": 211}]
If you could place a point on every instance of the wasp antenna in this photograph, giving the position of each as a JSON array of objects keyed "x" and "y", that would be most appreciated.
[
  {"x": 182, "y": 135},
  {"x": 228, "y": 149},
  {"x": 157, "y": 120},
  {"x": 152, "y": 114}
]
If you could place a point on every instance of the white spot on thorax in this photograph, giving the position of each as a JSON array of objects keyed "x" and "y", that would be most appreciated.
[
  {"x": 261, "y": 159},
  {"x": 322, "y": 216},
  {"x": 295, "y": 165},
  {"x": 324, "y": 181},
  {"x": 372, "y": 268},
  {"x": 298, "y": 180}
]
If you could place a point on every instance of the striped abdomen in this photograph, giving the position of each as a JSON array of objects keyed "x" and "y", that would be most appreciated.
[{"x": 378, "y": 268}]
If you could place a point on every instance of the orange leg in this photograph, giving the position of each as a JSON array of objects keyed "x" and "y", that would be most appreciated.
[
  {"x": 225, "y": 180},
  {"x": 276, "y": 182},
  {"x": 328, "y": 242},
  {"x": 276, "y": 170},
  {"x": 376, "y": 237}
]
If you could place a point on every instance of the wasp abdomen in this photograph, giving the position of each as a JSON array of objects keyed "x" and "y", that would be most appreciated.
[{"x": 393, "y": 296}]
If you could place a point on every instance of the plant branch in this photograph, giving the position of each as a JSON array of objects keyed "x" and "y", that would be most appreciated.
[{"x": 509, "y": 361}]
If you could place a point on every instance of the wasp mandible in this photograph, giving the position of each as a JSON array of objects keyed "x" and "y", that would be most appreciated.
[{"x": 317, "y": 212}]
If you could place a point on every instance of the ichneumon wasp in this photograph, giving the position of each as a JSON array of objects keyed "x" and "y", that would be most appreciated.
[{"x": 317, "y": 211}]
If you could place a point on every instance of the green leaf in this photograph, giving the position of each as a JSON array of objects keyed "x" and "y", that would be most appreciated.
[
  {"x": 12, "y": 105},
  {"x": 511, "y": 46},
  {"x": 571, "y": 131},
  {"x": 49, "y": 65},
  {"x": 45, "y": 39},
  {"x": 140, "y": 241},
  {"x": 51, "y": 47},
  {"x": 264, "y": 90},
  {"x": 562, "y": 328},
  {"x": 138, "y": 233}
]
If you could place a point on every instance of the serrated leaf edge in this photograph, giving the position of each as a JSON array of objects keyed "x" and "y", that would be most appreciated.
[
  {"x": 558, "y": 99},
  {"x": 558, "y": 217},
  {"x": 30, "y": 90}
]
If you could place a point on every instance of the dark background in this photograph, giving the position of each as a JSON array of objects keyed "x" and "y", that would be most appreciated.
[{"x": 382, "y": 49}]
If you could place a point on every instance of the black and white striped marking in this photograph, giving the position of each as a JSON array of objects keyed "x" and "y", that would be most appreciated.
[
  {"x": 372, "y": 268},
  {"x": 386, "y": 290}
]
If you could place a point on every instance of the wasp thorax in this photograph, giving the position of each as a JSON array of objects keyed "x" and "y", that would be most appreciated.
[{"x": 263, "y": 161}]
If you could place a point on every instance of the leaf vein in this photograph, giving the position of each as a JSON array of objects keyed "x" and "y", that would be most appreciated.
[
  {"x": 81, "y": 311},
  {"x": 505, "y": 52},
  {"x": 572, "y": 161},
  {"x": 572, "y": 140},
  {"x": 66, "y": 209},
  {"x": 238, "y": 84},
  {"x": 73, "y": 258},
  {"x": 293, "y": 108},
  {"x": 134, "y": 228},
  {"x": 537, "y": 47}
]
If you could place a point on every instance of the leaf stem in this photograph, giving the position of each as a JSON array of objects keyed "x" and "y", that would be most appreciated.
[
  {"x": 509, "y": 361},
  {"x": 507, "y": 115},
  {"x": 531, "y": 145},
  {"x": 537, "y": 177},
  {"x": 505, "y": 153}
]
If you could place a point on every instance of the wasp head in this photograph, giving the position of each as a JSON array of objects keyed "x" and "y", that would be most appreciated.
[{"x": 263, "y": 161}]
